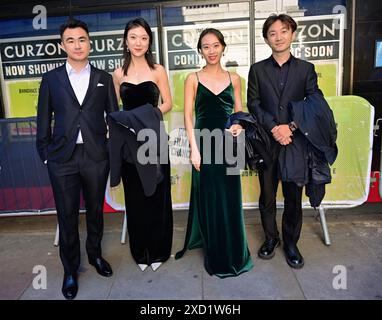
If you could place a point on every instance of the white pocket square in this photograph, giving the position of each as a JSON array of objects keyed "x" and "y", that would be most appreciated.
[{"x": 100, "y": 85}]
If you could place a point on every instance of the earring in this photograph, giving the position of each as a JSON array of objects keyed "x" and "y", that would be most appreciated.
[
  {"x": 147, "y": 52},
  {"x": 127, "y": 49}
]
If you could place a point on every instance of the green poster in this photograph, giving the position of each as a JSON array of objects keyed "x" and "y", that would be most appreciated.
[
  {"x": 327, "y": 78},
  {"x": 23, "y": 97},
  {"x": 350, "y": 172}
]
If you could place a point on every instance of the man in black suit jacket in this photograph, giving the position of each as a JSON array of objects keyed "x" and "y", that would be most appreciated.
[
  {"x": 77, "y": 96},
  {"x": 272, "y": 84}
]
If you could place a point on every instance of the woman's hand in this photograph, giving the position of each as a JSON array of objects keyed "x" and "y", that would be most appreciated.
[
  {"x": 195, "y": 159},
  {"x": 235, "y": 129}
]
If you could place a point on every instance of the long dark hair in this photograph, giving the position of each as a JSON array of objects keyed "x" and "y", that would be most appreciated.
[
  {"x": 138, "y": 22},
  {"x": 216, "y": 32}
]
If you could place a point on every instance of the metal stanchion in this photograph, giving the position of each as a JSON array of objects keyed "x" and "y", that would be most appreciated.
[
  {"x": 56, "y": 237},
  {"x": 124, "y": 229},
  {"x": 376, "y": 128},
  {"x": 324, "y": 226}
]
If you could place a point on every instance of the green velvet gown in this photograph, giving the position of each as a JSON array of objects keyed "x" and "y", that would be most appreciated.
[{"x": 215, "y": 221}]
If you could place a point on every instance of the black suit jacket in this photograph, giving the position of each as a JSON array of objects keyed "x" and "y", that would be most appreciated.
[
  {"x": 58, "y": 100},
  {"x": 264, "y": 97},
  {"x": 124, "y": 145}
]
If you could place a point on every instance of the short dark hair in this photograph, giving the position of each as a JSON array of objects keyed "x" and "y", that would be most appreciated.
[
  {"x": 216, "y": 32},
  {"x": 284, "y": 18},
  {"x": 138, "y": 22},
  {"x": 73, "y": 23}
]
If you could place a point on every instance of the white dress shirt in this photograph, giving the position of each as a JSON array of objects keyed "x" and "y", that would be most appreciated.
[{"x": 80, "y": 84}]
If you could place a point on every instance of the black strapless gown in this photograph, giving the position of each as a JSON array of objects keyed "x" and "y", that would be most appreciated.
[{"x": 149, "y": 219}]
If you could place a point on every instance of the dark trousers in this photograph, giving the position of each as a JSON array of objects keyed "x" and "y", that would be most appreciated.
[
  {"x": 292, "y": 215},
  {"x": 68, "y": 179},
  {"x": 149, "y": 219}
]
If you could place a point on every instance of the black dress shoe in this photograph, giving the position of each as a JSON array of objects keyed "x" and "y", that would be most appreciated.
[
  {"x": 267, "y": 250},
  {"x": 70, "y": 286},
  {"x": 102, "y": 266},
  {"x": 293, "y": 257}
]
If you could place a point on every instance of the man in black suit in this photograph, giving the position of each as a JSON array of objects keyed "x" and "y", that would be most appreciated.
[
  {"x": 77, "y": 96},
  {"x": 272, "y": 84}
]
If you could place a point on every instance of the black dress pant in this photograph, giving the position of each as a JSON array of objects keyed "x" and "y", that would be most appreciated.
[
  {"x": 68, "y": 179},
  {"x": 292, "y": 215}
]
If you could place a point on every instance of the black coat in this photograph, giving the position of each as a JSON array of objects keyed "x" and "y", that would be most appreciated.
[
  {"x": 306, "y": 160},
  {"x": 57, "y": 98},
  {"x": 257, "y": 144},
  {"x": 124, "y": 127},
  {"x": 315, "y": 119}
]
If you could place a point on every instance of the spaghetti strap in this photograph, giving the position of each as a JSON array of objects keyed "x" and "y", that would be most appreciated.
[
  {"x": 230, "y": 80},
  {"x": 197, "y": 77}
]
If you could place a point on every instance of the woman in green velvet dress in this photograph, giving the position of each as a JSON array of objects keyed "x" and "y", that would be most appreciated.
[{"x": 215, "y": 220}]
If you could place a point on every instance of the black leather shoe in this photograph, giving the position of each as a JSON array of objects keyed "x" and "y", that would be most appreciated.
[
  {"x": 70, "y": 286},
  {"x": 102, "y": 266},
  {"x": 293, "y": 257},
  {"x": 267, "y": 250}
]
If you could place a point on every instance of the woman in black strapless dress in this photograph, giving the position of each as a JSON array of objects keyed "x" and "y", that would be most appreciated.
[{"x": 137, "y": 82}]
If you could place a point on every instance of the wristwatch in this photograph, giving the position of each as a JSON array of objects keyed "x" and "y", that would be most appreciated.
[{"x": 292, "y": 126}]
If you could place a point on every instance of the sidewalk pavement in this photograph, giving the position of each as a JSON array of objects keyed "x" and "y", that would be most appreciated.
[{"x": 350, "y": 268}]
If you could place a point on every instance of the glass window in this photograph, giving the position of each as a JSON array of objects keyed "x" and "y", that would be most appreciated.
[
  {"x": 182, "y": 27},
  {"x": 378, "y": 54},
  {"x": 319, "y": 38},
  {"x": 26, "y": 54}
]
